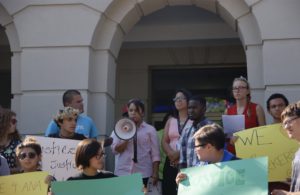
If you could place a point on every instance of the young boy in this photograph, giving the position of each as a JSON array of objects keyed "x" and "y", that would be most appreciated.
[
  {"x": 209, "y": 147},
  {"x": 291, "y": 123},
  {"x": 66, "y": 120}
]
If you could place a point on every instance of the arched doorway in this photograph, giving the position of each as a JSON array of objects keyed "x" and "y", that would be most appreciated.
[
  {"x": 179, "y": 47},
  {"x": 5, "y": 70}
]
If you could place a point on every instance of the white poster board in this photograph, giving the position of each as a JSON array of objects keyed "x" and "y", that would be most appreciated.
[
  {"x": 58, "y": 156},
  {"x": 233, "y": 123}
]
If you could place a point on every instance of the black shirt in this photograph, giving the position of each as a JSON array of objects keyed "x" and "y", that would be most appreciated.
[
  {"x": 76, "y": 136},
  {"x": 99, "y": 175}
]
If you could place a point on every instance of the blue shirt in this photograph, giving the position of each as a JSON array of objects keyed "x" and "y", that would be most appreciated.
[
  {"x": 227, "y": 156},
  {"x": 188, "y": 156},
  {"x": 85, "y": 126}
]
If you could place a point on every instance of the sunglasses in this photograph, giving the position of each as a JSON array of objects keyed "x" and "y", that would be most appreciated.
[
  {"x": 13, "y": 121},
  {"x": 30, "y": 155}
]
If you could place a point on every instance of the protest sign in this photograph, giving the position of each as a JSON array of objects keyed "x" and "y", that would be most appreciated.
[
  {"x": 271, "y": 141},
  {"x": 125, "y": 185},
  {"x": 32, "y": 183},
  {"x": 58, "y": 156},
  {"x": 247, "y": 177}
]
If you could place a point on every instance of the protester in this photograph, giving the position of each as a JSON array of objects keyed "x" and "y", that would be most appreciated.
[
  {"x": 85, "y": 125},
  {"x": 148, "y": 157},
  {"x": 29, "y": 154},
  {"x": 276, "y": 103},
  {"x": 66, "y": 120},
  {"x": 172, "y": 131},
  {"x": 291, "y": 123},
  {"x": 196, "y": 111},
  {"x": 254, "y": 113},
  {"x": 9, "y": 138},
  {"x": 89, "y": 159},
  {"x": 209, "y": 147}
]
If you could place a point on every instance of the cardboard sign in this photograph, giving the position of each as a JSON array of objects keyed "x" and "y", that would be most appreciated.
[
  {"x": 125, "y": 185},
  {"x": 271, "y": 141},
  {"x": 235, "y": 177},
  {"x": 233, "y": 123},
  {"x": 58, "y": 156},
  {"x": 32, "y": 183}
]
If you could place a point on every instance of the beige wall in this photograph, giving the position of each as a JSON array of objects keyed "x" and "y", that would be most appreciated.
[{"x": 50, "y": 38}]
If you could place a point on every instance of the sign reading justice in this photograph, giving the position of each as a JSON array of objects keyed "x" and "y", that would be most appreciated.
[{"x": 58, "y": 156}]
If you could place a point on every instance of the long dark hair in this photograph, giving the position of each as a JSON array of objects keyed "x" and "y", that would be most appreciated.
[
  {"x": 187, "y": 94},
  {"x": 5, "y": 122}
]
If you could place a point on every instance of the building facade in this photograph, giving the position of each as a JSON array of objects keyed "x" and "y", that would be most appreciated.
[{"x": 106, "y": 49}]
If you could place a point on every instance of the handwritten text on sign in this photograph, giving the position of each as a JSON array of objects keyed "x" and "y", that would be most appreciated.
[
  {"x": 271, "y": 141},
  {"x": 247, "y": 177},
  {"x": 58, "y": 156},
  {"x": 24, "y": 184}
]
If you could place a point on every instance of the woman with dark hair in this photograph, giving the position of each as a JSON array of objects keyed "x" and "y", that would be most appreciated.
[
  {"x": 89, "y": 158},
  {"x": 147, "y": 145},
  {"x": 9, "y": 138},
  {"x": 254, "y": 113},
  {"x": 172, "y": 131}
]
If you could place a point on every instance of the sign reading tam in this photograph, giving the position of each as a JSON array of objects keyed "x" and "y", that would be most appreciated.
[
  {"x": 58, "y": 156},
  {"x": 32, "y": 183}
]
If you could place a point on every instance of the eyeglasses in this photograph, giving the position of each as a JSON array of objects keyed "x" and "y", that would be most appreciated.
[
  {"x": 30, "y": 155},
  {"x": 99, "y": 156},
  {"x": 178, "y": 99},
  {"x": 200, "y": 145},
  {"x": 239, "y": 88},
  {"x": 288, "y": 122},
  {"x": 13, "y": 121}
]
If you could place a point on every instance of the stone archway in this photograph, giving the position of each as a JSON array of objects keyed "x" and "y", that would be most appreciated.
[{"x": 121, "y": 16}]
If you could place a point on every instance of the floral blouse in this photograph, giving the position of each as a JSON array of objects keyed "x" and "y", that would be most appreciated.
[{"x": 10, "y": 154}]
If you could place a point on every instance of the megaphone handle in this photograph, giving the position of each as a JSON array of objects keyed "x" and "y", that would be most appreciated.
[{"x": 135, "y": 148}]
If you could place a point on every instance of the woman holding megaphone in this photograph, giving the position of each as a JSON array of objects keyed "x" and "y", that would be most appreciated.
[{"x": 147, "y": 158}]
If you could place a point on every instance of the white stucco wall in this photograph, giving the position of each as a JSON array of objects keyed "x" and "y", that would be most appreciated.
[{"x": 61, "y": 44}]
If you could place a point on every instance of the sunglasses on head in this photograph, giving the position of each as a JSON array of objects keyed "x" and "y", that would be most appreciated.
[
  {"x": 30, "y": 155},
  {"x": 13, "y": 121}
]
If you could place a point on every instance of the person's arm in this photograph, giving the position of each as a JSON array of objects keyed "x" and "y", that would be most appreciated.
[
  {"x": 260, "y": 115},
  {"x": 52, "y": 128},
  {"x": 4, "y": 168},
  {"x": 226, "y": 111},
  {"x": 155, "y": 155},
  {"x": 172, "y": 155},
  {"x": 155, "y": 167},
  {"x": 122, "y": 146}
]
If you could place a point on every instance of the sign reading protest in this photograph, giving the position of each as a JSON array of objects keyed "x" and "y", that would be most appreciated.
[
  {"x": 271, "y": 141},
  {"x": 247, "y": 177},
  {"x": 24, "y": 184},
  {"x": 125, "y": 185},
  {"x": 58, "y": 156}
]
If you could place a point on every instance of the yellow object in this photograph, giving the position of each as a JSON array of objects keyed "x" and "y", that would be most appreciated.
[
  {"x": 32, "y": 183},
  {"x": 271, "y": 141}
]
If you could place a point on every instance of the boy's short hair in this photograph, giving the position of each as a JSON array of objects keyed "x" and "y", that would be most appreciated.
[
  {"x": 275, "y": 96},
  {"x": 65, "y": 113},
  {"x": 291, "y": 110},
  {"x": 211, "y": 134},
  {"x": 86, "y": 149}
]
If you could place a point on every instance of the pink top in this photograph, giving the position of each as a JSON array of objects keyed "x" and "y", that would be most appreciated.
[
  {"x": 147, "y": 152},
  {"x": 173, "y": 132}
]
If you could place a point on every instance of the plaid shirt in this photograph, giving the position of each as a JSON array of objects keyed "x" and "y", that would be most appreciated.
[{"x": 188, "y": 157}]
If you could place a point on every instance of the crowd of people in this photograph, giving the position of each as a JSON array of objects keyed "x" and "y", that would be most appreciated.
[{"x": 189, "y": 139}]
